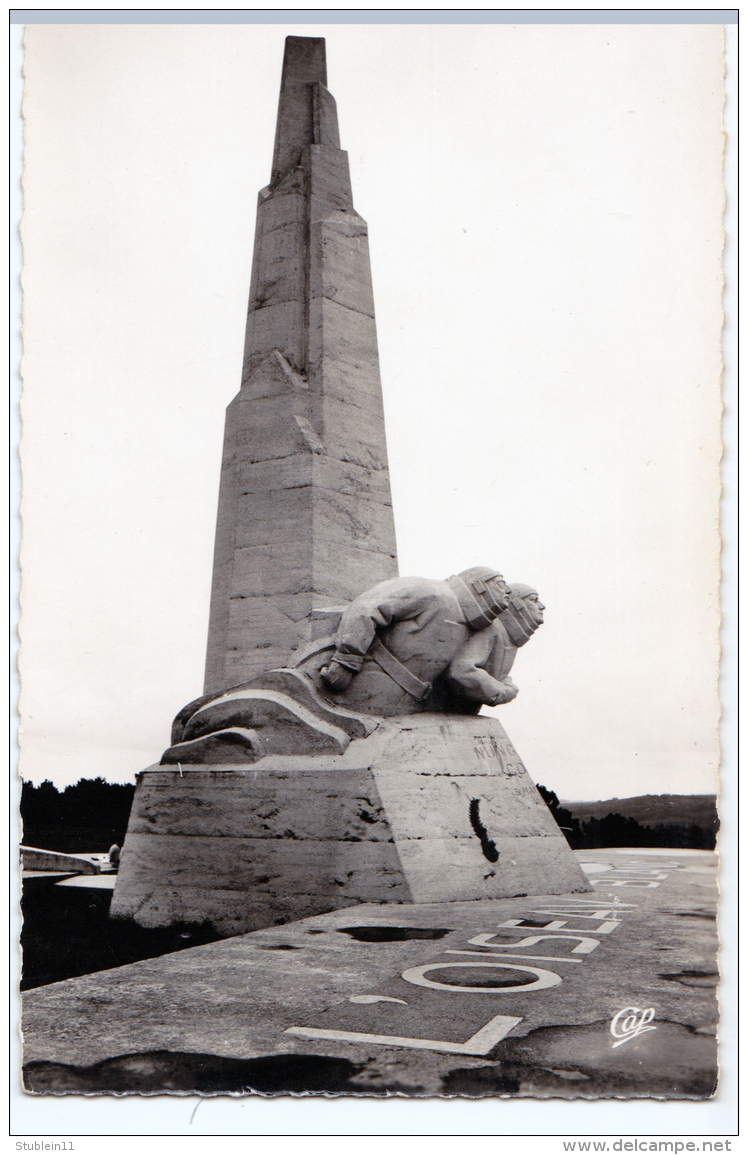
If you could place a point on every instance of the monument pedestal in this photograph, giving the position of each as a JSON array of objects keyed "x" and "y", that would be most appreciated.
[{"x": 428, "y": 808}]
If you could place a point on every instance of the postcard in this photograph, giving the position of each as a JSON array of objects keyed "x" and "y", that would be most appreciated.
[{"x": 370, "y": 608}]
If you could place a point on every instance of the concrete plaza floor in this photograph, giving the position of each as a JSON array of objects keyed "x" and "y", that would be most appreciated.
[{"x": 598, "y": 995}]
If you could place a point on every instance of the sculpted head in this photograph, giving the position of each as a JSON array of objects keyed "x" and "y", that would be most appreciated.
[
  {"x": 523, "y": 613},
  {"x": 482, "y": 594}
]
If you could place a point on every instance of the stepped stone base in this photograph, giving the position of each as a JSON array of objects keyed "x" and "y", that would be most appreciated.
[{"x": 428, "y": 808}]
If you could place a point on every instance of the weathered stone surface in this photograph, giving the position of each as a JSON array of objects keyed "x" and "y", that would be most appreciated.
[
  {"x": 309, "y": 412},
  {"x": 282, "y": 866},
  {"x": 331, "y": 181},
  {"x": 284, "y": 515},
  {"x": 340, "y": 573},
  {"x": 523, "y": 866},
  {"x": 434, "y": 808},
  {"x": 341, "y": 246},
  {"x": 216, "y": 1018},
  {"x": 266, "y": 429},
  {"x": 278, "y": 807},
  {"x": 235, "y": 912},
  {"x": 34, "y": 859},
  {"x": 304, "y": 64},
  {"x": 463, "y": 747},
  {"x": 282, "y": 571},
  {"x": 516, "y": 815},
  {"x": 346, "y": 477}
]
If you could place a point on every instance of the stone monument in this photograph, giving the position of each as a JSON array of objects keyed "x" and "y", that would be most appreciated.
[
  {"x": 337, "y": 755},
  {"x": 305, "y": 512}
]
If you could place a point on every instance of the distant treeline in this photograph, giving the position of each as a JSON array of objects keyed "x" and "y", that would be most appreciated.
[
  {"x": 88, "y": 817},
  {"x": 616, "y": 829},
  {"x": 93, "y": 814}
]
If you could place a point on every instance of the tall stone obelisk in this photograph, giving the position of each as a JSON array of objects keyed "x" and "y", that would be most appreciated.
[
  {"x": 305, "y": 512},
  {"x": 338, "y": 808}
]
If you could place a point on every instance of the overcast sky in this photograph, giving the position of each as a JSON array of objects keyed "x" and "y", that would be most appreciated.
[{"x": 544, "y": 210}]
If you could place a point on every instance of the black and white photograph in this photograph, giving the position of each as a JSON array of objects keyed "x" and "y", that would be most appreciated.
[{"x": 372, "y": 459}]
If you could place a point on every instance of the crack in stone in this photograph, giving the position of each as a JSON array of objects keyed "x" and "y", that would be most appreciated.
[{"x": 350, "y": 308}]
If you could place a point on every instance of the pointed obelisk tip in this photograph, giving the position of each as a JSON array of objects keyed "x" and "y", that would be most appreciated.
[
  {"x": 304, "y": 64},
  {"x": 304, "y": 59}
]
